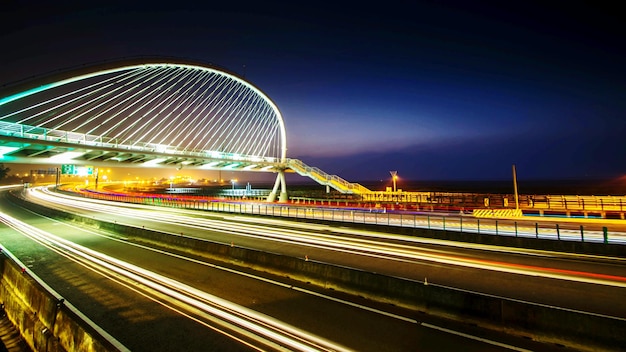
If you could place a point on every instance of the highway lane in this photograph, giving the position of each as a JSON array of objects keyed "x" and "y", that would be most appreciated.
[
  {"x": 146, "y": 323},
  {"x": 244, "y": 325},
  {"x": 572, "y": 228},
  {"x": 587, "y": 283}
]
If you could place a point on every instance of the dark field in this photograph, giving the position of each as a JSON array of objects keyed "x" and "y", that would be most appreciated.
[{"x": 560, "y": 187}]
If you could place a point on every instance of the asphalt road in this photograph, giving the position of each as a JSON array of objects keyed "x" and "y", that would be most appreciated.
[
  {"x": 586, "y": 283},
  {"x": 143, "y": 323}
]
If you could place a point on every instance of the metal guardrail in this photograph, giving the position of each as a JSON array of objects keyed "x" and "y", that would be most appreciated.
[
  {"x": 576, "y": 203},
  {"x": 375, "y": 216},
  {"x": 573, "y": 205}
]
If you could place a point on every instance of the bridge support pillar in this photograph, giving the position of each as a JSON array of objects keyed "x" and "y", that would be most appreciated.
[{"x": 280, "y": 180}]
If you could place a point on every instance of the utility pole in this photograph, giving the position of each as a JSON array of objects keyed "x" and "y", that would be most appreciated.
[{"x": 515, "y": 187}]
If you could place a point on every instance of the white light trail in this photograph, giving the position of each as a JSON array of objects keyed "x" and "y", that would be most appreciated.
[
  {"x": 368, "y": 245},
  {"x": 262, "y": 328}
]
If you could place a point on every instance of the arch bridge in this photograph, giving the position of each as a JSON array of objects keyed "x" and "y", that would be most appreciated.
[{"x": 151, "y": 113}]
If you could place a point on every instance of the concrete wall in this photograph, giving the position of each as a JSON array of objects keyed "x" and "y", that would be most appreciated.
[
  {"x": 549, "y": 324},
  {"x": 45, "y": 321}
]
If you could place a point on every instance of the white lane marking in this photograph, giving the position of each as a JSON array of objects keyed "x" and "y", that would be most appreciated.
[{"x": 472, "y": 337}]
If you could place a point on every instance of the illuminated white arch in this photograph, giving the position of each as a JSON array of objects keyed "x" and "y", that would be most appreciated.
[{"x": 239, "y": 83}]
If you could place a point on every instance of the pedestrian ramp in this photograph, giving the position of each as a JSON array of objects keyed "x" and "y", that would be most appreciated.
[{"x": 323, "y": 178}]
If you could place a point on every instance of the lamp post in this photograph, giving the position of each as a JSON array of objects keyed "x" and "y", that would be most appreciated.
[{"x": 394, "y": 177}]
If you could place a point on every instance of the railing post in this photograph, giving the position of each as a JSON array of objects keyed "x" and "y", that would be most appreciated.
[
  {"x": 428, "y": 218},
  {"x": 536, "y": 230},
  {"x": 582, "y": 235},
  {"x": 515, "y": 228},
  {"x": 443, "y": 219},
  {"x": 558, "y": 232},
  {"x": 605, "y": 233},
  {"x": 461, "y": 224},
  {"x": 496, "y": 227},
  {"x": 478, "y": 225}
]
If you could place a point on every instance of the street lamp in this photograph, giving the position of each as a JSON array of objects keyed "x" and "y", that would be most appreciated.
[{"x": 394, "y": 177}]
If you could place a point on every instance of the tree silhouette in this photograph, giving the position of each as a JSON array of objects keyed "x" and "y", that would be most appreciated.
[{"x": 4, "y": 171}]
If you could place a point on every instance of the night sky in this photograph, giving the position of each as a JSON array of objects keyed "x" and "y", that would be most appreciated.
[{"x": 437, "y": 90}]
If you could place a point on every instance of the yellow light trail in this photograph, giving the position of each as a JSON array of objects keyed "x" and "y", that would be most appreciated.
[{"x": 368, "y": 244}]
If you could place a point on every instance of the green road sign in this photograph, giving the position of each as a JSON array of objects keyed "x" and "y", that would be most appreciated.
[{"x": 68, "y": 169}]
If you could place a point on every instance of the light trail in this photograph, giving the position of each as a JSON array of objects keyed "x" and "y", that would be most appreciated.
[
  {"x": 258, "y": 330},
  {"x": 528, "y": 227},
  {"x": 363, "y": 245},
  {"x": 206, "y": 320}
]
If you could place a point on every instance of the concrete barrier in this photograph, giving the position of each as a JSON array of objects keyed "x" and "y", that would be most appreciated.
[
  {"x": 45, "y": 321},
  {"x": 580, "y": 330}
]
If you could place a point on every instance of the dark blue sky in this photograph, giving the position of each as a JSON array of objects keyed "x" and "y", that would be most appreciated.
[{"x": 436, "y": 90}]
